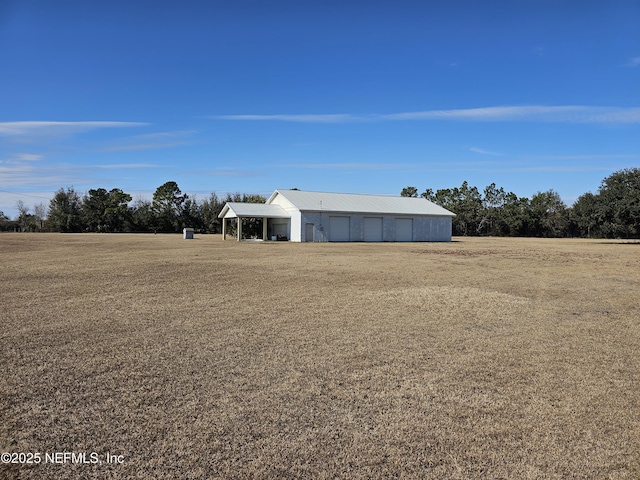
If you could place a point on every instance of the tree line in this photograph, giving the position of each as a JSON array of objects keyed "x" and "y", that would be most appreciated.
[
  {"x": 114, "y": 211},
  {"x": 612, "y": 212}
]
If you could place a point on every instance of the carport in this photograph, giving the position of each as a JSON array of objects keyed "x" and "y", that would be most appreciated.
[{"x": 239, "y": 210}]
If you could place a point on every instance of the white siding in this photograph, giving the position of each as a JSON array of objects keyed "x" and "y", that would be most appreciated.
[
  {"x": 432, "y": 229},
  {"x": 295, "y": 235}
]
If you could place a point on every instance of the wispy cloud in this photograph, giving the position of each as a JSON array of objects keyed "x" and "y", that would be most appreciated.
[
  {"x": 302, "y": 118},
  {"x": 597, "y": 156},
  {"x": 564, "y": 168},
  {"x": 492, "y": 167},
  {"x": 146, "y": 146},
  {"x": 228, "y": 173},
  {"x": 28, "y": 170},
  {"x": 222, "y": 172},
  {"x": 538, "y": 51},
  {"x": 58, "y": 128},
  {"x": 17, "y": 158},
  {"x": 348, "y": 166},
  {"x": 482, "y": 151},
  {"x": 163, "y": 136},
  {"x": 30, "y": 175},
  {"x": 126, "y": 166},
  {"x": 633, "y": 62},
  {"x": 528, "y": 113},
  {"x": 151, "y": 141},
  {"x": 491, "y": 114}
]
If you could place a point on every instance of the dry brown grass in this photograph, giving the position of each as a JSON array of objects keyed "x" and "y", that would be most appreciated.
[{"x": 481, "y": 358}]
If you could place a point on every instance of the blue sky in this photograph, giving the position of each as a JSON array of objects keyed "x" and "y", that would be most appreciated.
[{"x": 343, "y": 96}]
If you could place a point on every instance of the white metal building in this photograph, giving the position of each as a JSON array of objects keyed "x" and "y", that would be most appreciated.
[{"x": 301, "y": 216}]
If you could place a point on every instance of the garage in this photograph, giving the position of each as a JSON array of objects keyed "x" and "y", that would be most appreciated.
[
  {"x": 299, "y": 216},
  {"x": 372, "y": 229},
  {"x": 339, "y": 229}
]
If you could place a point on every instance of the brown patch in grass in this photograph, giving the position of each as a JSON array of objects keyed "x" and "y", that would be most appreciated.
[{"x": 494, "y": 358}]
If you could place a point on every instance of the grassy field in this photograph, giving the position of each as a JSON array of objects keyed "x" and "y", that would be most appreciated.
[{"x": 480, "y": 358}]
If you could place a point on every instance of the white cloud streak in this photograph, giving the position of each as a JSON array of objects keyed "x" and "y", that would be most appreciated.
[
  {"x": 144, "y": 146},
  {"x": 29, "y": 175},
  {"x": 530, "y": 113},
  {"x": 126, "y": 165},
  {"x": 151, "y": 141},
  {"x": 226, "y": 173},
  {"x": 482, "y": 151},
  {"x": 350, "y": 166},
  {"x": 58, "y": 128},
  {"x": 19, "y": 158},
  {"x": 633, "y": 62},
  {"x": 304, "y": 118}
]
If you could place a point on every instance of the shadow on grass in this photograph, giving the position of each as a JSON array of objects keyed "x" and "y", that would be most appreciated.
[{"x": 620, "y": 242}]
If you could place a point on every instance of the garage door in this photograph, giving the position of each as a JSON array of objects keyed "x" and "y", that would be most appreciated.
[
  {"x": 404, "y": 229},
  {"x": 372, "y": 229},
  {"x": 280, "y": 230},
  {"x": 339, "y": 229}
]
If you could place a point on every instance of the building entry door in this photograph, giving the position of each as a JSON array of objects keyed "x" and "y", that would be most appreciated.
[{"x": 308, "y": 232}]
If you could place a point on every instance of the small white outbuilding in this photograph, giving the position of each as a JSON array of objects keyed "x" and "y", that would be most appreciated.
[{"x": 301, "y": 216}]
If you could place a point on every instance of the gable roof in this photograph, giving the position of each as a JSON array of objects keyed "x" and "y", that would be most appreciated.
[
  {"x": 252, "y": 210},
  {"x": 358, "y": 203}
]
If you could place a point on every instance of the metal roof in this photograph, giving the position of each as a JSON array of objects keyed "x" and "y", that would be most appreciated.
[
  {"x": 352, "y": 203},
  {"x": 253, "y": 210}
]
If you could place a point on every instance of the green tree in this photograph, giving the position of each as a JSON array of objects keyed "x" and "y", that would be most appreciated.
[
  {"x": 429, "y": 195},
  {"x": 209, "y": 210},
  {"x": 468, "y": 209},
  {"x": 191, "y": 214},
  {"x": 167, "y": 207},
  {"x": 548, "y": 215},
  {"x": 252, "y": 198},
  {"x": 515, "y": 218},
  {"x": 409, "y": 192},
  {"x": 6, "y": 224},
  {"x": 465, "y": 202},
  {"x": 118, "y": 213},
  {"x": 25, "y": 221},
  {"x": 142, "y": 219},
  {"x": 618, "y": 199},
  {"x": 492, "y": 211},
  {"x": 104, "y": 211},
  {"x": 583, "y": 216},
  {"x": 93, "y": 207},
  {"x": 65, "y": 211}
]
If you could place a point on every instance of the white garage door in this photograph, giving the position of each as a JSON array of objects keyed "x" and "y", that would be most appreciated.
[
  {"x": 372, "y": 229},
  {"x": 339, "y": 229},
  {"x": 404, "y": 229},
  {"x": 280, "y": 229}
]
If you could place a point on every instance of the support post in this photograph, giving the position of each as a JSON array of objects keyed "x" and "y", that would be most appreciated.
[
  {"x": 239, "y": 228},
  {"x": 224, "y": 228},
  {"x": 264, "y": 228}
]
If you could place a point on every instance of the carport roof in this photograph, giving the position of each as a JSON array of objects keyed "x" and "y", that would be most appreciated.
[{"x": 252, "y": 210}]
